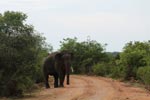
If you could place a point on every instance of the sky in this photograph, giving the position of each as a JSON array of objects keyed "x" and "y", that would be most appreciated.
[{"x": 114, "y": 22}]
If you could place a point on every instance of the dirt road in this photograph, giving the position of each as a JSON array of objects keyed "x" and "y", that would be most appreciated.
[{"x": 92, "y": 88}]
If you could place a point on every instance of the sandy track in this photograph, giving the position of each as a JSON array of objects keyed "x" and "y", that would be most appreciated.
[{"x": 92, "y": 88}]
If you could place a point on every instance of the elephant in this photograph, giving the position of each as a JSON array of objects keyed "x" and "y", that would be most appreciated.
[{"x": 58, "y": 65}]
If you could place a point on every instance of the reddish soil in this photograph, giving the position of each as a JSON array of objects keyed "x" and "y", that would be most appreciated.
[{"x": 91, "y": 88}]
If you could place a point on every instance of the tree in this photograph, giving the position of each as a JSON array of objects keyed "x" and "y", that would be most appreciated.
[
  {"x": 86, "y": 53},
  {"x": 21, "y": 48},
  {"x": 135, "y": 55}
]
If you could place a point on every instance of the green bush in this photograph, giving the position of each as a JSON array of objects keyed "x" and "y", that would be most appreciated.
[
  {"x": 118, "y": 71},
  {"x": 21, "y": 50},
  {"x": 101, "y": 69},
  {"x": 135, "y": 54},
  {"x": 143, "y": 74}
]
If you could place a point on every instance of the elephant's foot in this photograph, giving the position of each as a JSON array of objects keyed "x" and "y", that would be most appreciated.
[
  {"x": 55, "y": 86},
  {"x": 47, "y": 86},
  {"x": 68, "y": 83},
  {"x": 61, "y": 85}
]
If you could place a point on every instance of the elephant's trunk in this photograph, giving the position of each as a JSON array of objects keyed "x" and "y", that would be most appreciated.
[
  {"x": 68, "y": 81},
  {"x": 68, "y": 73}
]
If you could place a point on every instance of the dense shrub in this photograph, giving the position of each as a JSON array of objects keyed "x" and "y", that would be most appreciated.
[
  {"x": 21, "y": 52},
  {"x": 101, "y": 69},
  {"x": 107, "y": 69},
  {"x": 143, "y": 74},
  {"x": 135, "y": 55},
  {"x": 118, "y": 71}
]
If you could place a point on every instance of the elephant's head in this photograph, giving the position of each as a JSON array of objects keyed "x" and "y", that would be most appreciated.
[{"x": 65, "y": 58}]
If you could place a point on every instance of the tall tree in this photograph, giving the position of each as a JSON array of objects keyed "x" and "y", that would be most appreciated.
[{"x": 20, "y": 47}]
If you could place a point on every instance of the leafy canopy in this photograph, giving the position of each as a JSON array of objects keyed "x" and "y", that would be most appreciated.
[{"x": 21, "y": 49}]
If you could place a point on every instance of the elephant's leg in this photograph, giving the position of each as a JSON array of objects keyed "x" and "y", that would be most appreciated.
[
  {"x": 61, "y": 79},
  {"x": 68, "y": 79},
  {"x": 67, "y": 74},
  {"x": 55, "y": 80},
  {"x": 61, "y": 82},
  {"x": 46, "y": 81}
]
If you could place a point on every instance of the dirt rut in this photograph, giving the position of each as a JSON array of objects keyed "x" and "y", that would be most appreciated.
[{"x": 91, "y": 88}]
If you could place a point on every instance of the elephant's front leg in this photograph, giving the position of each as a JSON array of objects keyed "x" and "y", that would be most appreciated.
[
  {"x": 68, "y": 81},
  {"x": 56, "y": 80},
  {"x": 46, "y": 81},
  {"x": 61, "y": 78}
]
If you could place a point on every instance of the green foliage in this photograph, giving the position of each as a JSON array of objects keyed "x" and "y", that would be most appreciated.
[
  {"x": 110, "y": 70},
  {"x": 135, "y": 55},
  {"x": 118, "y": 71},
  {"x": 22, "y": 50},
  {"x": 101, "y": 69},
  {"x": 21, "y": 53},
  {"x": 143, "y": 74},
  {"x": 86, "y": 53}
]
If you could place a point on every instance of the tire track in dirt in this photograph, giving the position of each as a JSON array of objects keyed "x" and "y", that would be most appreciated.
[
  {"x": 90, "y": 88},
  {"x": 70, "y": 92},
  {"x": 125, "y": 91},
  {"x": 81, "y": 88},
  {"x": 95, "y": 89}
]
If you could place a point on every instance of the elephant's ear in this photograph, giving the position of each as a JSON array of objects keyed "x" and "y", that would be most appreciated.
[{"x": 58, "y": 56}]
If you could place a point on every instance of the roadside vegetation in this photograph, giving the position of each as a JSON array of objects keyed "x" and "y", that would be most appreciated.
[
  {"x": 21, "y": 53},
  {"x": 90, "y": 57},
  {"x": 22, "y": 50}
]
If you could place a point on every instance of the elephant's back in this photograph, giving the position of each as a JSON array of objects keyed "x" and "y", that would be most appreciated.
[
  {"x": 48, "y": 65},
  {"x": 50, "y": 58}
]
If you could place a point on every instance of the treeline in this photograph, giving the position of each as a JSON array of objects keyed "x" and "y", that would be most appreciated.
[
  {"x": 22, "y": 50},
  {"x": 90, "y": 57},
  {"x": 86, "y": 54}
]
